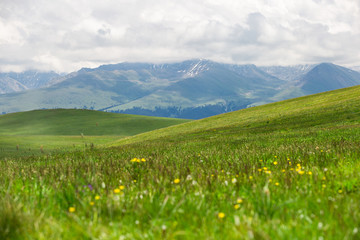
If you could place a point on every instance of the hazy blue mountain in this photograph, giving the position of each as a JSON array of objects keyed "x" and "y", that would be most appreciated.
[
  {"x": 190, "y": 89},
  {"x": 327, "y": 77},
  {"x": 9, "y": 85},
  {"x": 15, "y": 82},
  {"x": 318, "y": 78}
]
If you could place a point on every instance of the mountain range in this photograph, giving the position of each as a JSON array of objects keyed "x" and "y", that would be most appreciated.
[{"x": 190, "y": 89}]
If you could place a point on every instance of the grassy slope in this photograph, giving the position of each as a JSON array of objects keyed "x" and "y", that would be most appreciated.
[
  {"x": 75, "y": 122},
  {"x": 286, "y": 170},
  {"x": 61, "y": 128},
  {"x": 328, "y": 109}
]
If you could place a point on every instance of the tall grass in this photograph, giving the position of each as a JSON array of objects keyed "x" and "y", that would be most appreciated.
[{"x": 13, "y": 220}]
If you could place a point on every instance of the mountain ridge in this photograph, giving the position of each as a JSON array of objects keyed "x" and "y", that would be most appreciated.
[
  {"x": 190, "y": 89},
  {"x": 26, "y": 80}
]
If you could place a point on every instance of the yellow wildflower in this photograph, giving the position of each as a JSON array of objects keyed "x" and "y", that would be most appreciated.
[
  {"x": 116, "y": 190},
  {"x": 221, "y": 215},
  {"x": 283, "y": 170},
  {"x": 121, "y": 187},
  {"x": 301, "y": 172},
  {"x": 236, "y": 206},
  {"x": 97, "y": 197},
  {"x": 176, "y": 181},
  {"x": 239, "y": 200},
  {"x": 71, "y": 209},
  {"x": 92, "y": 203},
  {"x": 143, "y": 160},
  {"x": 310, "y": 173},
  {"x": 275, "y": 163},
  {"x": 277, "y": 184}
]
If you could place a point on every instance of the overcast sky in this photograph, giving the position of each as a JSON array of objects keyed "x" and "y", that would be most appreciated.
[{"x": 65, "y": 35}]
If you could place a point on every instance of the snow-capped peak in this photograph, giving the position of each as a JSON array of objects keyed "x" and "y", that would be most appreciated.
[{"x": 197, "y": 68}]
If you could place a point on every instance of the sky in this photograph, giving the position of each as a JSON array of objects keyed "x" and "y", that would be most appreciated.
[{"x": 66, "y": 35}]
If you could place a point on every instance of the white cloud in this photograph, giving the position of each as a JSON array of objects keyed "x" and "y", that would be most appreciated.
[{"x": 66, "y": 35}]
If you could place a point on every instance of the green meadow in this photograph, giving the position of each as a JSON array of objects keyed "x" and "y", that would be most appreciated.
[{"x": 287, "y": 170}]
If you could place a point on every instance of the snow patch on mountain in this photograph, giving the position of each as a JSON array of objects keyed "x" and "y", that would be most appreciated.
[{"x": 196, "y": 68}]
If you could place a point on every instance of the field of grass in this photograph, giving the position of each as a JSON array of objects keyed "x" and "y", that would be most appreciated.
[
  {"x": 288, "y": 170},
  {"x": 44, "y": 131}
]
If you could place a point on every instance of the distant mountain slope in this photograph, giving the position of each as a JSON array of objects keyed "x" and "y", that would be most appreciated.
[
  {"x": 288, "y": 73},
  {"x": 16, "y": 82},
  {"x": 76, "y": 122},
  {"x": 8, "y": 85},
  {"x": 318, "y": 78},
  {"x": 92, "y": 90},
  {"x": 327, "y": 77}
]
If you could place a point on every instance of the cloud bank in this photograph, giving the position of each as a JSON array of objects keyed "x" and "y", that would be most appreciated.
[{"x": 65, "y": 35}]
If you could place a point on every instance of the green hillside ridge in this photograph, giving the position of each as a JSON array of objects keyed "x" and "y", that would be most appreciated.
[
  {"x": 325, "y": 109},
  {"x": 77, "y": 122},
  {"x": 25, "y": 133}
]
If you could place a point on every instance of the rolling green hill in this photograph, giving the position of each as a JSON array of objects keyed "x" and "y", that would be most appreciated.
[
  {"x": 77, "y": 122},
  {"x": 62, "y": 128}
]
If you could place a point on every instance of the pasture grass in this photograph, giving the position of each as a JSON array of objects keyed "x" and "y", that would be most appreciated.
[
  {"x": 28, "y": 145},
  {"x": 288, "y": 170}
]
